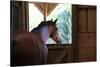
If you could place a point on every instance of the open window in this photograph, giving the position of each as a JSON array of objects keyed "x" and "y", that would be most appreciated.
[
  {"x": 63, "y": 13},
  {"x": 51, "y": 11}
]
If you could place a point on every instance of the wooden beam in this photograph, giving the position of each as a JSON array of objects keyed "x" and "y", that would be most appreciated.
[
  {"x": 51, "y": 9},
  {"x": 41, "y": 10},
  {"x": 62, "y": 55}
]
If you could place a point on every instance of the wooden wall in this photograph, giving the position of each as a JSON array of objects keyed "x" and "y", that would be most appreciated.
[
  {"x": 60, "y": 54},
  {"x": 19, "y": 16},
  {"x": 87, "y": 33}
]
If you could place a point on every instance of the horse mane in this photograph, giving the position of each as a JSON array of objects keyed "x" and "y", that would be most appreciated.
[{"x": 44, "y": 23}]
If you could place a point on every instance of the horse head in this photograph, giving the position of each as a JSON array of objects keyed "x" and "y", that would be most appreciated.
[{"x": 47, "y": 28}]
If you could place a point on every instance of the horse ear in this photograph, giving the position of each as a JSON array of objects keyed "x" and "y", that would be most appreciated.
[
  {"x": 51, "y": 20},
  {"x": 55, "y": 21}
]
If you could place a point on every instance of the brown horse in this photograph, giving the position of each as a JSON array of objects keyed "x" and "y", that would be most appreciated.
[{"x": 29, "y": 48}]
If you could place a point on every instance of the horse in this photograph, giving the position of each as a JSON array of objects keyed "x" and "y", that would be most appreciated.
[
  {"x": 29, "y": 48},
  {"x": 48, "y": 29}
]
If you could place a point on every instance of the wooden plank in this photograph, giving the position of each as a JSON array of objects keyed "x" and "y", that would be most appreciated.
[
  {"x": 86, "y": 6},
  {"x": 53, "y": 55},
  {"x": 82, "y": 39},
  {"x": 40, "y": 6},
  {"x": 92, "y": 38},
  {"x": 75, "y": 32},
  {"x": 58, "y": 46},
  {"x": 66, "y": 52},
  {"x": 82, "y": 20},
  {"x": 51, "y": 7},
  {"x": 86, "y": 39},
  {"x": 87, "y": 53},
  {"x": 92, "y": 20},
  {"x": 87, "y": 46},
  {"x": 58, "y": 52},
  {"x": 61, "y": 57}
]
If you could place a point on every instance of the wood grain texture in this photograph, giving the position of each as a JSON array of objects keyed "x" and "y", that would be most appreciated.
[
  {"x": 92, "y": 20},
  {"x": 82, "y": 19}
]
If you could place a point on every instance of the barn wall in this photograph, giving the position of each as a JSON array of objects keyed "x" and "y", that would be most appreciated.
[
  {"x": 19, "y": 16},
  {"x": 87, "y": 33}
]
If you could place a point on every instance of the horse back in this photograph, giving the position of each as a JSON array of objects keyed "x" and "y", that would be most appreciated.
[{"x": 27, "y": 49}]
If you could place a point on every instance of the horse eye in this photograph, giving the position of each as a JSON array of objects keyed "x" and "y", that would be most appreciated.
[{"x": 56, "y": 28}]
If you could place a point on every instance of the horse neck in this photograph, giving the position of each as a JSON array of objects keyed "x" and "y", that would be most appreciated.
[{"x": 44, "y": 33}]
